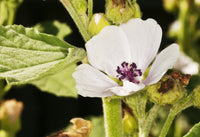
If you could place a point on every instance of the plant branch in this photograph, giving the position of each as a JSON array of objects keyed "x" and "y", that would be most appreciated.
[
  {"x": 112, "y": 117},
  {"x": 176, "y": 108},
  {"x": 90, "y": 9},
  {"x": 83, "y": 30}
]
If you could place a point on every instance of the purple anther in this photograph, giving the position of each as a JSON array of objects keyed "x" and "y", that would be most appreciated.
[{"x": 129, "y": 72}]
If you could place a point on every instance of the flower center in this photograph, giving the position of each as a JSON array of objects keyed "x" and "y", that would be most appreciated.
[{"x": 129, "y": 72}]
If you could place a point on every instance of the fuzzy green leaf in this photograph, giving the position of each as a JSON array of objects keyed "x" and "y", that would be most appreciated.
[
  {"x": 55, "y": 28},
  {"x": 59, "y": 84},
  {"x": 98, "y": 127},
  {"x": 26, "y": 54},
  {"x": 194, "y": 131}
]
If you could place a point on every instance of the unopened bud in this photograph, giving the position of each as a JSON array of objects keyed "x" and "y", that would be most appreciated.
[
  {"x": 97, "y": 23},
  {"x": 120, "y": 11},
  {"x": 169, "y": 89},
  {"x": 10, "y": 112},
  {"x": 130, "y": 124},
  {"x": 80, "y": 6}
]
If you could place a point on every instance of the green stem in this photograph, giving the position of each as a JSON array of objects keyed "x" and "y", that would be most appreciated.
[
  {"x": 90, "y": 9},
  {"x": 83, "y": 30},
  {"x": 112, "y": 117},
  {"x": 182, "y": 36},
  {"x": 178, "y": 107},
  {"x": 149, "y": 119},
  {"x": 167, "y": 124},
  {"x": 11, "y": 18},
  {"x": 3, "y": 13}
]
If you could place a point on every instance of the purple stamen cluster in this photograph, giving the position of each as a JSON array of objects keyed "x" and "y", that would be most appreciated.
[{"x": 129, "y": 72}]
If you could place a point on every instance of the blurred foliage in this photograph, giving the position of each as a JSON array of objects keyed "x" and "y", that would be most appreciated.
[{"x": 55, "y": 28}]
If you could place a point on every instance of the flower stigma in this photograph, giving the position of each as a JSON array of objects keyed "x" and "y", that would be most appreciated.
[{"x": 129, "y": 72}]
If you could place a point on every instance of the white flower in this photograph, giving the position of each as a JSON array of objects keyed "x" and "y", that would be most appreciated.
[
  {"x": 124, "y": 52},
  {"x": 186, "y": 65}
]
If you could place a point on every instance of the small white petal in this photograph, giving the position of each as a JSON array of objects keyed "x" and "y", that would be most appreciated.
[
  {"x": 108, "y": 49},
  {"x": 164, "y": 61},
  {"x": 144, "y": 38},
  {"x": 127, "y": 89},
  {"x": 97, "y": 18},
  {"x": 90, "y": 82},
  {"x": 186, "y": 65}
]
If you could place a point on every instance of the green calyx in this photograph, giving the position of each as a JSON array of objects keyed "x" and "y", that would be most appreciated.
[
  {"x": 121, "y": 11},
  {"x": 166, "y": 91},
  {"x": 196, "y": 97},
  {"x": 97, "y": 23}
]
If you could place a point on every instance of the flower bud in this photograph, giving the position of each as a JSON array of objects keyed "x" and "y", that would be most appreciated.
[
  {"x": 169, "y": 89},
  {"x": 120, "y": 11},
  {"x": 80, "y": 6},
  {"x": 130, "y": 124},
  {"x": 97, "y": 23},
  {"x": 196, "y": 97},
  {"x": 10, "y": 112}
]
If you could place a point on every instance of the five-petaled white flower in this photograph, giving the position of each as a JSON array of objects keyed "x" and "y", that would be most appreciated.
[{"x": 124, "y": 52}]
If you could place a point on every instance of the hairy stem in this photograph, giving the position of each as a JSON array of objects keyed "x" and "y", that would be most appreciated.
[
  {"x": 90, "y": 9},
  {"x": 83, "y": 30},
  {"x": 150, "y": 119},
  {"x": 112, "y": 117},
  {"x": 176, "y": 108}
]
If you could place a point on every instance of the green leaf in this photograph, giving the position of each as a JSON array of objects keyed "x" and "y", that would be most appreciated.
[
  {"x": 59, "y": 84},
  {"x": 26, "y": 54},
  {"x": 98, "y": 127},
  {"x": 55, "y": 28},
  {"x": 194, "y": 131}
]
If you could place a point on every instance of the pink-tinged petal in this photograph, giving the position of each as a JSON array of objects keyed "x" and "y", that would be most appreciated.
[
  {"x": 144, "y": 39},
  {"x": 127, "y": 89},
  {"x": 164, "y": 61},
  {"x": 108, "y": 49},
  {"x": 90, "y": 82}
]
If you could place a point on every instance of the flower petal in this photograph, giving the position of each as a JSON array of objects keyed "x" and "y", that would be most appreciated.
[
  {"x": 162, "y": 63},
  {"x": 186, "y": 65},
  {"x": 108, "y": 49},
  {"x": 90, "y": 82},
  {"x": 127, "y": 89},
  {"x": 144, "y": 38}
]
